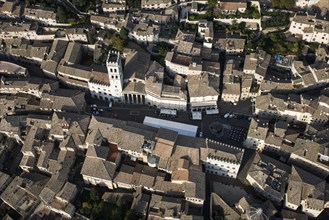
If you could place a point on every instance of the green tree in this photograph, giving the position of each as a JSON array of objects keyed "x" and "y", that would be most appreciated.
[
  {"x": 98, "y": 207},
  {"x": 286, "y": 4},
  {"x": 86, "y": 208},
  {"x": 119, "y": 203},
  {"x": 134, "y": 3},
  {"x": 110, "y": 34},
  {"x": 130, "y": 215},
  {"x": 212, "y": 3},
  {"x": 117, "y": 42},
  {"x": 130, "y": 3},
  {"x": 94, "y": 195},
  {"x": 61, "y": 15},
  {"x": 116, "y": 214},
  {"x": 30, "y": 2},
  {"x": 91, "y": 38},
  {"x": 242, "y": 26},
  {"x": 49, "y": 2},
  {"x": 79, "y": 3},
  {"x": 123, "y": 34},
  {"x": 137, "y": 3}
]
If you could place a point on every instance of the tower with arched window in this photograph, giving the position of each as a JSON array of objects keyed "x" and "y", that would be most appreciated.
[{"x": 114, "y": 69}]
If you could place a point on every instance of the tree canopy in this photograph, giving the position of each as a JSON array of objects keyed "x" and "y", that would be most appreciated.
[
  {"x": 286, "y": 4},
  {"x": 61, "y": 15},
  {"x": 277, "y": 43},
  {"x": 212, "y": 3},
  {"x": 79, "y": 3},
  {"x": 92, "y": 206},
  {"x": 134, "y": 3},
  {"x": 123, "y": 33}
]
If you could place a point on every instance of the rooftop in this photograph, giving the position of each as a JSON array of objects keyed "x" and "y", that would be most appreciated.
[
  {"x": 221, "y": 151},
  {"x": 165, "y": 207}
]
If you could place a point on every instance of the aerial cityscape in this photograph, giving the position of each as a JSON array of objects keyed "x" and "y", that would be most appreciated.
[{"x": 164, "y": 109}]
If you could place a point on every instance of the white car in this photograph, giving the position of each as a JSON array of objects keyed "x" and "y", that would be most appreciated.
[{"x": 201, "y": 134}]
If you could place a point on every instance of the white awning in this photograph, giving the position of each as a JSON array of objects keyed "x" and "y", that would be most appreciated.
[
  {"x": 196, "y": 115},
  {"x": 203, "y": 104},
  {"x": 181, "y": 128},
  {"x": 212, "y": 112}
]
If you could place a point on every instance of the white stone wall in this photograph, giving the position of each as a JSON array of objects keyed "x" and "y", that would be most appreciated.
[
  {"x": 311, "y": 166},
  {"x": 208, "y": 101},
  {"x": 239, "y": 20},
  {"x": 77, "y": 37},
  {"x": 30, "y": 34},
  {"x": 46, "y": 21},
  {"x": 122, "y": 185},
  {"x": 195, "y": 200},
  {"x": 181, "y": 69},
  {"x": 73, "y": 77},
  {"x": 114, "y": 9},
  {"x": 234, "y": 50},
  {"x": 96, "y": 181},
  {"x": 306, "y": 3},
  {"x": 221, "y": 167},
  {"x": 289, "y": 204},
  {"x": 245, "y": 93},
  {"x": 108, "y": 26},
  {"x": 249, "y": 71},
  {"x": 36, "y": 93},
  {"x": 155, "y": 6},
  {"x": 319, "y": 37},
  {"x": 100, "y": 91},
  {"x": 310, "y": 211},
  {"x": 133, "y": 154},
  {"x": 144, "y": 38},
  {"x": 166, "y": 102},
  {"x": 230, "y": 97}
]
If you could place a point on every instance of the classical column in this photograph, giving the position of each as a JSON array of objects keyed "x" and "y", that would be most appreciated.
[
  {"x": 139, "y": 99},
  {"x": 125, "y": 98},
  {"x": 130, "y": 99},
  {"x": 143, "y": 99}
]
